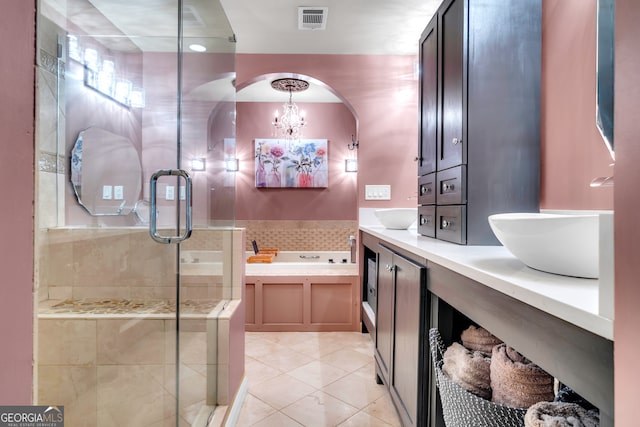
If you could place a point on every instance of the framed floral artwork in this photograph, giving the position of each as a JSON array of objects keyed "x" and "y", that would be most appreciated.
[{"x": 291, "y": 164}]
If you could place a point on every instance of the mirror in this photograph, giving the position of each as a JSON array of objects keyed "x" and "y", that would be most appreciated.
[
  {"x": 105, "y": 172},
  {"x": 605, "y": 71}
]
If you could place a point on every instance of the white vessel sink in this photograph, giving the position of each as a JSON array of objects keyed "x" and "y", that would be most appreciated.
[
  {"x": 396, "y": 218},
  {"x": 554, "y": 243}
]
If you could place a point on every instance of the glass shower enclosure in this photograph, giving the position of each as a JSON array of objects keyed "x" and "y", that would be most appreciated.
[{"x": 135, "y": 210}]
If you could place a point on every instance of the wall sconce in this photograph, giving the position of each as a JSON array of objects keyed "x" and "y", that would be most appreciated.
[
  {"x": 137, "y": 98},
  {"x": 354, "y": 144},
  {"x": 231, "y": 165},
  {"x": 100, "y": 75},
  {"x": 199, "y": 165},
  {"x": 351, "y": 165}
]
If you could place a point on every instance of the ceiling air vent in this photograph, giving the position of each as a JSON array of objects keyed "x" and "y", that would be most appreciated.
[
  {"x": 312, "y": 18},
  {"x": 191, "y": 17}
]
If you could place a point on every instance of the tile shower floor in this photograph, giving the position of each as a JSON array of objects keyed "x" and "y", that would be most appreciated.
[{"x": 313, "y": 379}]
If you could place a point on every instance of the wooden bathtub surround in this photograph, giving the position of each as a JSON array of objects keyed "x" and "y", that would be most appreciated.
[{"x": 302, "y": 303}]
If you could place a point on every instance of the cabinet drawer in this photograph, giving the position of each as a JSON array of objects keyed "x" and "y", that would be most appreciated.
[
  {"x": 427, "y": 221},
  {"x": 451, "y": 186},
  {"x": 451, "y": 224},
  {"x": 427, "y": 189}
]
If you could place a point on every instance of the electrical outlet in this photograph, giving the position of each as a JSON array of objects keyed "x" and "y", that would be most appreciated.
[{"x": 377, "y": 192}]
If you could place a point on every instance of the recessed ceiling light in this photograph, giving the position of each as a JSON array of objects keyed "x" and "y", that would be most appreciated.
[{"x": 197, "y": 48}]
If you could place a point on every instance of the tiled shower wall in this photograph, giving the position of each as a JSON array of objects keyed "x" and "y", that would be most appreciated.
[
  {"x": 119, "y": 263},
  {"x": 300, "y": 235}
]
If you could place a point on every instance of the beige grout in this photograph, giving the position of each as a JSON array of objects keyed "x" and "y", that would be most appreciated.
[{"x": 346, "y": 341}]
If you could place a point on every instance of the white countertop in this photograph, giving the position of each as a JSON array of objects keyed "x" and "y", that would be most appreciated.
[{"x": 571, "y": 299}]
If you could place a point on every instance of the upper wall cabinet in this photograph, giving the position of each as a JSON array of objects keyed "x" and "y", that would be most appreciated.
[
  {"x": 429, "y": 99},
  {"x": 450, "y": 148},
  {"x": 480, "y": 116}
]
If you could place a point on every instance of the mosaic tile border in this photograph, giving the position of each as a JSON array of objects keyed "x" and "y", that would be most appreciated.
[
  {"x": 290, "y": 235},
  {"x": 51, "y": 162},
  {"x": 49, "y": 63}
]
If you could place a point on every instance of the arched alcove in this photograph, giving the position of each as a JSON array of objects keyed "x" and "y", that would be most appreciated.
[{"x": 329, "y": 116}]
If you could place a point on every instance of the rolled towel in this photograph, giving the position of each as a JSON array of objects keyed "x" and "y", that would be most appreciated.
[
  {"x": 469, "y": 369},
  {"x": 479, "y": 339},
  {"x": 516, "y": 381},
  {"x": 560, "y": 414}
]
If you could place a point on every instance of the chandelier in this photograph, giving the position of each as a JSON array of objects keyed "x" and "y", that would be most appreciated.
[{"x": 290, "y": 124}]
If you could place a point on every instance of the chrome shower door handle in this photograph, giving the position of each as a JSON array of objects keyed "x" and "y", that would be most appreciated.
[{"x": 153, "y": 222}]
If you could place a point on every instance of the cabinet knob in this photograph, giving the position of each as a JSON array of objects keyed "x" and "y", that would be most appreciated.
[
  {"x": 446, "y": 224},
  {"x": 416, "y": 159},
  {"x": 424, "y": 220},
  {"x": 447, "y": 187},
  {"x": 456, "y": 141},
  {"x": 390, "y": 267},
  {"x": 424, "y": 189}
]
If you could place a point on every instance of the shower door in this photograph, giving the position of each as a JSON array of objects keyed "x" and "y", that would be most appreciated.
[{"x": 135, "y": 121}]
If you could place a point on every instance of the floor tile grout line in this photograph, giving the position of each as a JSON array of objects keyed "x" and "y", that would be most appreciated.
[{"x": 360, "y": 346}]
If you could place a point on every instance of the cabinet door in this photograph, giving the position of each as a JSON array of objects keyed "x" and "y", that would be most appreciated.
[
  {"x": 428, "y": 99},
  {"x": 407, "y": 331},
  {"x": 384, "y": 314},
  {"x": 451, "y": 145}
]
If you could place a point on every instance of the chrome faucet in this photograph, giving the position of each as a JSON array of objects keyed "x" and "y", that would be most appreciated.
[{"x": 352, "y": 245}]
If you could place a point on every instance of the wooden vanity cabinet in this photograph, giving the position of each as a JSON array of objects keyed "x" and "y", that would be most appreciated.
[
  {"x": 480, "y": 114},
  {"x": 415, "y": 294},
  {"x": 400, "y": 333}
]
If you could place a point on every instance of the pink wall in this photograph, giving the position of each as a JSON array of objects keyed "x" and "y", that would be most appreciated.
[
  {"x": 627, "y": 204},
  {"x": 17, "y": 39},
  {"x": 336, "y": 202},
  {"x": 383, "y": 92},
  {"x": 573, "y": 152},
  {"x": 375, "y": 87}
]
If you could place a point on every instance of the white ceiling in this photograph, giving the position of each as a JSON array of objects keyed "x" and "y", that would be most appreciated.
[
  {"x": 367, "y": 27},
  {"x": 355, "y": 27}
]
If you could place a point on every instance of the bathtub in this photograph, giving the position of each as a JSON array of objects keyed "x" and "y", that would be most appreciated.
[
  {"x": 303, "y": 291},
  {"x": 317, "y": 263},
  {"x": 297, "y": 291}
]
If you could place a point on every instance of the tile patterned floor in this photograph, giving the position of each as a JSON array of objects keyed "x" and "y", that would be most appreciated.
[{"x": 310, "y": 379}]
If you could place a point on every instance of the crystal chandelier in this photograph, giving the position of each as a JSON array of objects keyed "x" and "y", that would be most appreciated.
[{"x": 290, "y": 124}]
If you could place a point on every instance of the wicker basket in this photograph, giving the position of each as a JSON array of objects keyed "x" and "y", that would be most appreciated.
[{"x": 463, "y": 409}]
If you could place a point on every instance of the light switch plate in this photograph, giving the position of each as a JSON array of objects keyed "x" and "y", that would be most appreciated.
[
  {"x": 169, "y": 193},
  {"x": 377, "y": 192},
  {"x": 118, "y": 192},
  {"x": 107, "y": 192}
]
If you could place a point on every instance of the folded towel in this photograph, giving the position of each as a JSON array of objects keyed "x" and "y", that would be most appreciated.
[
  {"x": 469, "y": 369},
  {"x": 265, "y": 258},
  {"x": 479, "y": 339},
  {"x": 516, "y": 381},
  {"x": 560, "y": 414}
]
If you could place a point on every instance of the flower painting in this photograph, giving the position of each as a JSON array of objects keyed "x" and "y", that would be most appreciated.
[{"x": 298, "y": 164}]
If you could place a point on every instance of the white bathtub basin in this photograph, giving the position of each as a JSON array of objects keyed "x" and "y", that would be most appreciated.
[
  {"x": 396, "y": 218},
  {"x": 559, "y": 244}
]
